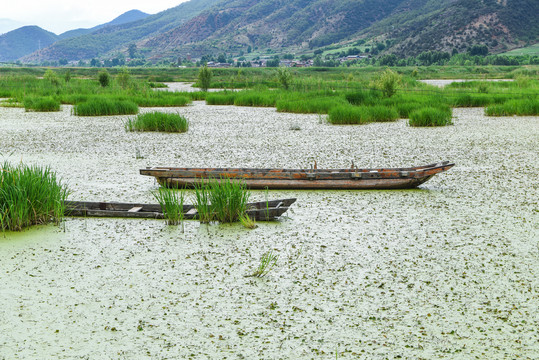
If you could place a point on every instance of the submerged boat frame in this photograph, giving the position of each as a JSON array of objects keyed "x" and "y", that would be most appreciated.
[
  {"x": 260, "y": 211},
  {"x": 352, "y": 179}
]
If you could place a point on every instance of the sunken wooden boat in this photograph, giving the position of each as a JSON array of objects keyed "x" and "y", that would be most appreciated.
[
  {"x": 353, "y": 178},
  {"x": 259, "y": 211}
]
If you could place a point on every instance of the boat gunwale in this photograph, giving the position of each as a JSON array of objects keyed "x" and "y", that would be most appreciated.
[{"x": 434, "y": 166}]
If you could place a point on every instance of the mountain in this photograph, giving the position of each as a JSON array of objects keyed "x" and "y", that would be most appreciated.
[
  {"x": 24, "y": 40},
  {"x": 405, "y": 27},
  {"x": 118, "y": 37},
  {"x": 274, "y": 23},
  {"x": 458, "y": 24},
  {"x": 127, "y": 17}
]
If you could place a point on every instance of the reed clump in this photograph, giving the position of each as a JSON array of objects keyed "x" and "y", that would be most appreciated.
[
  {"x": 41, "y": 104},
  {"x": 319, "y": 105},
  {"x": 521, "y": 107},
  {"x": 223, "y": 200},
  {"x": 255, "y": 98},
  {"x": 348, "y": 114},
  {"x": 158, "y": 121},
  {"x": 431, "y": 116},
  {"x": 171, "y": 202},
  {"x": 101, "y": 106},
  {"x": 30, "y": 195},
  {"x": 221, "y": 99}
]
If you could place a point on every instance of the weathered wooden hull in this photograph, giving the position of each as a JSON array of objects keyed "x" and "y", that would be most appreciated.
[
  {"x": 259, "y": 211},
  {"x": 315, "y": 179}
]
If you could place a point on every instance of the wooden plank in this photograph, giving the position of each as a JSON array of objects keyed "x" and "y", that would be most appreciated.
[{"x": 135, "y": 209}]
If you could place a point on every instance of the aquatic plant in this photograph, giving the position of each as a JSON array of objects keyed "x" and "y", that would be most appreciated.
[
  {"x": 30, "y": 195},
  {"x": 247, "y": 222},
  {"x": 255, "y": 98},
  {"x": 431, "y": 116},
  {"x": 521, "y": 107},
  {"x": 202, "y": 202},
  {"x": 267, "y": 261},
  {"x": 221, "y": 99},
  {"x": 171, "y": 202},
  {"x": 349, "y": 114},
  {"x": 223, "y": 200},
  {"x": 158, "y": 121},
  {"x": 41, "y": 104},
  {"x": 101, "y": 106},
  {"x": 317, "y": 105}
]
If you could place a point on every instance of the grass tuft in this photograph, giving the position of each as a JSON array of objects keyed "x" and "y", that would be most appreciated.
[
  {"x": 349, "y": 114},
  {"x": 267, "y": 262},
  {"x": 41, "y": 104},
  {"x": 158, "y": 121},
  {"x": 100, "y": 106},
  {"x": 431, "y": 116},
  {"x": 523, "y": 107},
  {"x": 171, "y": 202},
  {"x": 223, "y": 200}
]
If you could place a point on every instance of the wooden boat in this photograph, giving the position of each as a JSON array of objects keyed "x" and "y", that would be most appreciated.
[
  {"x": 353, "y": 178},
  {"x": 259, "y": 211}
]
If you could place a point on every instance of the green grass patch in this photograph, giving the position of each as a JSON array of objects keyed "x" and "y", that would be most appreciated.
[
  {"x": 317, "y": 105},
  {"x": 431, "y": 116},
  {"x": 30, "y": 195},
  {"x": 363, "y": 97},
  {"x": 349, "y": 115},
  {"x": 255, "y": 98},
  {"x": 521, "y": 107},
  {"x": 158, "y": 121},
  {"x": 11, "y": 103},
  {"x": 41, "y": 104},
  {"x": 100, "y": 106},
  {"x": 220, "y": 99}
]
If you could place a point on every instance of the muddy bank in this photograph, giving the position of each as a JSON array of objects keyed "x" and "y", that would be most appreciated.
[{"x": 447, "y": 270}]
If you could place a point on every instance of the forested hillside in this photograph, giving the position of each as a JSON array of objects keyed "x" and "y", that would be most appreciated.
[{"x": 24, "y": 40}]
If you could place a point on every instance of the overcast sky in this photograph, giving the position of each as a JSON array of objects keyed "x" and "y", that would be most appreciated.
[{"x": 59, "y": 16}]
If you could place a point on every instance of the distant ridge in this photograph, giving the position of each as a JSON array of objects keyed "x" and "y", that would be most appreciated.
[
  {"x": 402, "y": 27},
  {"x": 24, "y": 40},
  {"x": 127, "y": 17},
  {"x": 118, "y": 37}
]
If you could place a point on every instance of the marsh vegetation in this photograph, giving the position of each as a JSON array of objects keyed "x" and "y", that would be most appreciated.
[{"x": 30, "y": 195}]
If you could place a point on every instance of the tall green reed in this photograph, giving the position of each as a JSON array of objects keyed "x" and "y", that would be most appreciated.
[
  {"x": 171, "y": 202},
  {"x": 30, "y": 195},
  {"x": 223, "y": 200}
]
